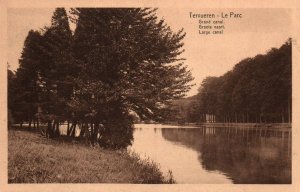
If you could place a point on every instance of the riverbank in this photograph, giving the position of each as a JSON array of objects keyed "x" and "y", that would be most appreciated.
[
  {"x": 247, "y": 125},
  {"x": 35, "y": 159},
  {"x": 218, "y": 125}
]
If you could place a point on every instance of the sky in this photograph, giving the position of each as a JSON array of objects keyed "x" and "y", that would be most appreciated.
[{"x": 256, "y": 32}]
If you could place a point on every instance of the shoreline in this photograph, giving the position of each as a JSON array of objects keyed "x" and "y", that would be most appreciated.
[
  {"x": 35, "y": 159},
  {"x": 216, "y": 125}
]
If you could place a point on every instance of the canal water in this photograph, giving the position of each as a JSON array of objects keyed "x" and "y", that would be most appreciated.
[{"x": 217, "y": 155}]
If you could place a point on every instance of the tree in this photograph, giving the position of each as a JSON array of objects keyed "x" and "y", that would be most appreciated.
[
  {"x": 127, "y": 60},
  {"x": 11, "y": 96},
  {"x": 257, "y": 89},
  {"x": 118, "y": 62},
  {"x": 26, "y": 94},
  {"x": 56, "y": 72}
]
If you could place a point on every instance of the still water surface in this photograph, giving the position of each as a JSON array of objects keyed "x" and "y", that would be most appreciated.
[{"x": 217, "y": 155}]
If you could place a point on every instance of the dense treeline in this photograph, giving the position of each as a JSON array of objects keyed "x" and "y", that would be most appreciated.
[
  {"x": 98, "y": 76},
  {"x": 182, "y": 111},
  {"x": 256, "y": 90}
]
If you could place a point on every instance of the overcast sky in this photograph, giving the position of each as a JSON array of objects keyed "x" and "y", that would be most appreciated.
[{"x": 207, "y": 55}]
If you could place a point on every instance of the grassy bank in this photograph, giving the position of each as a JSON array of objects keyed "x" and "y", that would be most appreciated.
[{"x": 35, "y": 159}]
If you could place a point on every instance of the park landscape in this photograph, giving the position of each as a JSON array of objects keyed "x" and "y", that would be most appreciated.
[{"x": 85, "y": 105}]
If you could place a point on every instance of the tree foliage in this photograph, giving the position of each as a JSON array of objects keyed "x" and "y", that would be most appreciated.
[
  {"x": 23, "y": 87},
  {"x": 256, "y": 90},
  {"x": 117, "y": 62}
]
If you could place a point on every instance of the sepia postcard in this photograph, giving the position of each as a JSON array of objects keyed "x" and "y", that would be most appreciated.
[{"x": 149, "y": 95}]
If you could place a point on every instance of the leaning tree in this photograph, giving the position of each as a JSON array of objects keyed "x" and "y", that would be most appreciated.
[{"x": 128, "y": 61}]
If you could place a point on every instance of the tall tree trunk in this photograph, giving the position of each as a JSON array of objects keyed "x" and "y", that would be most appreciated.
[
  {"x": 242, "y": 117},
  {"x": 49, "y": 129},
  {"x": 94, "y": 132},
  {"x": 282, "y": 115},
  {"x": 68, "y": 128},
  {"x": 53, "y": 126},
  {"x": 260, "y": 120},
  {"x": 236, "y": 119},
  {"x": 82, "y": 130},
  {"x": 289, "y": 112},
  {"x": 88, "y": 134},
  {"x": 37, "y": 123},
  {"x": 57, "y": 132},
  {"x": 92, "y": 128},
  {"x": 73, "y": 129}
]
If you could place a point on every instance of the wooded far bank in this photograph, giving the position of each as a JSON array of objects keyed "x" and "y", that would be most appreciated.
[{"x": 256, "y": 90}]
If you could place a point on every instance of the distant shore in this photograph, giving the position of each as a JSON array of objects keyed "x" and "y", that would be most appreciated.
[
  {"x": 216, "y": 125},
  {"x": 248, "y": 125}
]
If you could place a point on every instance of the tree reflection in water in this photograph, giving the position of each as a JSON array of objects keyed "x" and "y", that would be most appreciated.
[{"x": 245, "y": 155}]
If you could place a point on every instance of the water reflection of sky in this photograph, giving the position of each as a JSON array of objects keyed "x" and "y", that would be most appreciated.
[
  {"x": 182, "y": 161},
  {"x": 217, "y": 155}
]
